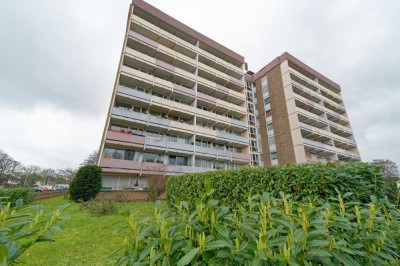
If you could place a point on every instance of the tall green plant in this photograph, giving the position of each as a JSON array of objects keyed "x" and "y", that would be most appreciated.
[
  {"x": 86, "y": 184},
  {"x": 13, "y": 194},
  {"x": 301, "y": 181},
  {"x": 22, "y": 227},
  {"x": 265, "y": 230}
]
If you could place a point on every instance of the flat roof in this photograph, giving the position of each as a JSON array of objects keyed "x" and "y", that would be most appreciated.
[
  {"x": 186, "y": 29},
  {"x": 291, "y": 58}
]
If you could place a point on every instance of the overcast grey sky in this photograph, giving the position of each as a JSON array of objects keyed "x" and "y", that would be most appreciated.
[{"x": 58, "y": 61}]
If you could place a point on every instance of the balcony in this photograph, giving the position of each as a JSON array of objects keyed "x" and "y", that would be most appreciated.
[
  {"x": 132, "y": 167},
  {"x": 179, "y": 148},
  {"x": 124, "y": 139},
  {"x": 133, "y": 96},
  {"x": 179, "y": 169},
  {"x": 240, "y": 157},
  {"x": 206, "y": 152},
  {"x": 155, "y": 144}
]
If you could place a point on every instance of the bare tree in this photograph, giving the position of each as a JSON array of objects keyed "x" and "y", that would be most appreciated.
[
  {"x": 7, "y": 166},
  {"x": 29, "y": 173},
  {"x": 67, "y": 173},
  {"x": 48, "y": 175},
  {"x": 91, "y": 159},
  {"x": 388, "y": 168}
]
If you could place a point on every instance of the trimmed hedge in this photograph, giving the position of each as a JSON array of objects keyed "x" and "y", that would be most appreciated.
[
  {"x": 86, "y": 184},
  {"x": 13, "y": 194},
  {"x": 304, "y": 180}
]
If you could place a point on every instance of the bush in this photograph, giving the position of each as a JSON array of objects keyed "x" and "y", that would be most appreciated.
[
  {"x": 268, "y": 231},
  {"x": 86, "y": 184},
  {"x": 22, "y": 227},
  {"x": 100, "y": 207},
  {"x": 305, "y": 180},
  {"x": 157, "y": 186},
  {"x": 13, "y": 194}
]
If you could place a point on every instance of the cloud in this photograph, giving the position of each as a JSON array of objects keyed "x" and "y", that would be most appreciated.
[{"x": 59, "y": 60}]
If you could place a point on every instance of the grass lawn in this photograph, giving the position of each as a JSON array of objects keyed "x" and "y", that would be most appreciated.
[{"x": 86, "y": 239}]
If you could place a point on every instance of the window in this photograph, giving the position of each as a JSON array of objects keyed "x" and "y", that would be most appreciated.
[
  {"x": 114, "y": 153},
  {"x": 271, "y": 140},
  {"x": 173, "y": 138},
  {"x": 219, "y": 165},
  {"x": 129, "y": 155},
  {"x": 183, "y": 140},
  {"x": 154, "y": 134},
  {"x": 151, "y": 158},
  {"x": 266, "y": 101},
  {"x": 182, "y": 160},
  {"x": 219, "y": 146},
  {"x": 202, "y": 163},
  {"x": 270, "y": 127},
  {"x": 268, "y": 113},
  {"x": 274, "y": 156}
]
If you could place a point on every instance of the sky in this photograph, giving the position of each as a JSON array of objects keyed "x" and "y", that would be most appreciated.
[{"x": 58, "y": 62}]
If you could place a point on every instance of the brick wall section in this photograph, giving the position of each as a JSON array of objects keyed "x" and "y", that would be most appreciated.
[
  {"x": 263, "y": 124},
  {"x": 283, "y": 133}
]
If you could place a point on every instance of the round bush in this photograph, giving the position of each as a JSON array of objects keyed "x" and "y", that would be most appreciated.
[{"x": 86, "y": 184}]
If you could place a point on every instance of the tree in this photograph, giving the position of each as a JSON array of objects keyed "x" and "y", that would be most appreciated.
[
  {"x": 86, "y": 184},
  {"x": 389, "y": 168},
  {"x": 91, "y": 159},
  {"x": 7, "y": 166},
  {"x": 30, "y": 174},
  {"x": 67, "y": 173}
]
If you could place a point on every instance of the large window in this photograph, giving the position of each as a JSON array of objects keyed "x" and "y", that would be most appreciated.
[
  {"x": 219, "y": 165},
  {"x": 178, "y": 160},
  {"x": 114, "y": 153},
  {"x": 274, "y": 156},
  {"x": 202, "y": 163},
  {"x": 152, "y": 158}
]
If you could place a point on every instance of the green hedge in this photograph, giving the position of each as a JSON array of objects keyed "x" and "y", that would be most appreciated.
[
  {"x": 304, "y": 180},
  {"x": 13, "y": 194}
]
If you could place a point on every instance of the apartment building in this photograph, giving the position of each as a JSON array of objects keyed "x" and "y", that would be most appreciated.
[
  {"x": 302, "y": 117},
  {"x": 184, "y": 103},
  {"x": 178, "y": 104}
]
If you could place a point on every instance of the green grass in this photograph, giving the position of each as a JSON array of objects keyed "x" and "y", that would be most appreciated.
[{"x": 86, "y": 239}]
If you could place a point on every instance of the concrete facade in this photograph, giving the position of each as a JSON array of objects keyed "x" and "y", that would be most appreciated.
[{"x": 183, "y": 103}]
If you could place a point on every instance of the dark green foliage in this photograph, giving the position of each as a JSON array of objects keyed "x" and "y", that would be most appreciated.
[
  {"x": 101, "y": 207},
  {"x": 86, "y": 184},
  {"x": 267, "y": 231},
  {"x": 22, "y": 227},
  {"x": 13, "y": 194},
  {"x": 305, "y": 180}
]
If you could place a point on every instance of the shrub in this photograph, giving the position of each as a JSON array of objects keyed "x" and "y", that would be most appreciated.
[
  {"x": 86, "y": 184},
  {"x": 157, "y": 186},
  {"x": 100, "y": 207},
  {"x": 22, "y": 227},
  {"x": 322, "y": 180},
  {"x": 13, "y": 194},
  {"x": 268, "y": 231}
]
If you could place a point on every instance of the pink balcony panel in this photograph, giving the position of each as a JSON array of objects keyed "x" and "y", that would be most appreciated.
[
  {"x": 183, "y": 90},
  {"x": 143, "y": 39},
  {"x": 237, "y": 81},
  {"x": 240, "y": 156},
  {"x": 125, "y": 139},
  {"x": 153, "y": 168},
  {"x": 123, "y": 166},
  {"x": 165, "y": 66},
  {"x": 206, "y": 98},
  {"x": 222, "y": 89}
]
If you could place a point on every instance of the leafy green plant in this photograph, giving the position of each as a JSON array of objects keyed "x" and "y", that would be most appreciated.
[
  {"x": 22, "y": 227},
  {"x": 265, "y": 230},
  {"x": 13, "y": 194},
  {"x": 86, "y": 184},
  {"x": 100, "y": 207},
  {"x": 305, "y": 180}
]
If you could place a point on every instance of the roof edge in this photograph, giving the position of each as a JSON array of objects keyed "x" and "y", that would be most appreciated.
[
  {"x": 289, "y": 57},
  {"x": 188, "y": 30}
]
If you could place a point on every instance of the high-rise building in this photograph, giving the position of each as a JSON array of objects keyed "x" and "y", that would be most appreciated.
[{"x": 184, "y": 103}]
